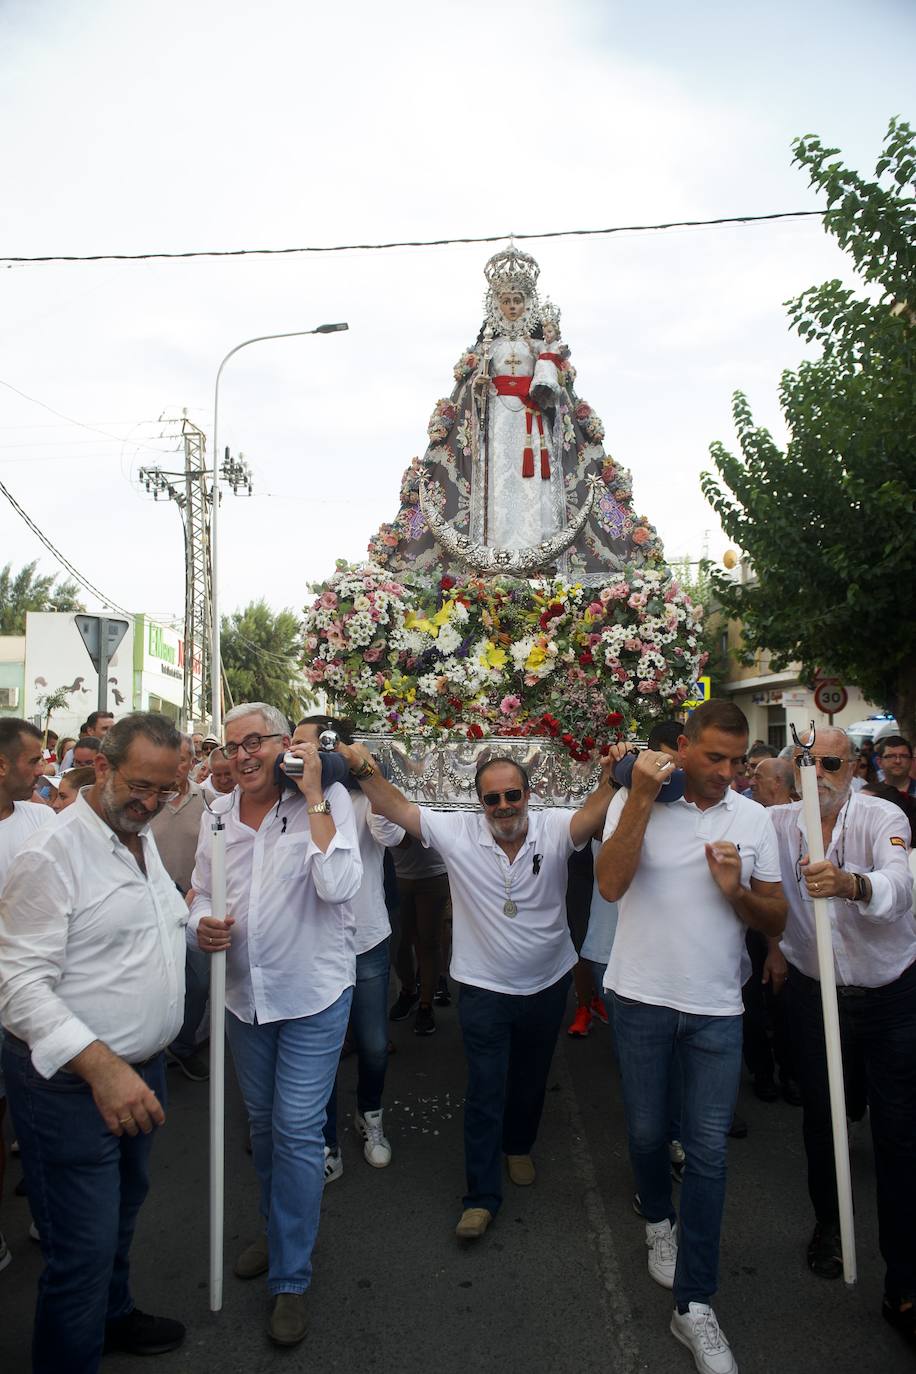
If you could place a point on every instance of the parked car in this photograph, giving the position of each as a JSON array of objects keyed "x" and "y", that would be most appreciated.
[{"x": 872, "y": 728}]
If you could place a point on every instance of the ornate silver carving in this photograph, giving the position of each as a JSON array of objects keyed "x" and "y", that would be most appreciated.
[
  {"x": 520, "y": 562},
  {"x": 512, "y": 270},
  {"x": 441, "y": 772}
]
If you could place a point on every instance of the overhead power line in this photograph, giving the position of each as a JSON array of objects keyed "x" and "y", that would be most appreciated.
[
  {"x": 64, "y": 562},
  {"x": 416, "y": 243}
]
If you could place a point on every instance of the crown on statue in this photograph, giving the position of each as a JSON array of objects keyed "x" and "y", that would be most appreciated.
[
  {"x": 512, "y": 269},
  {"x": 550, "y": 314}
]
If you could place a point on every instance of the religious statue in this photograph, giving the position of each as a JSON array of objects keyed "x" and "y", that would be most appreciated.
[{"x": 515, "y": 479}]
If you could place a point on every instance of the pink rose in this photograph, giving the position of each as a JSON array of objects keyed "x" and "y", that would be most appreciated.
[
  {"x": 647, "y": 687},
  {"x": 328, "y": 600},
  {"x": 372, "y": 655},
  {"x": 596, "y": 608},
  {"x": 637, "y": 601},
  {"x": 605, "y": 595},
  {"x": 633, "y": 646}
]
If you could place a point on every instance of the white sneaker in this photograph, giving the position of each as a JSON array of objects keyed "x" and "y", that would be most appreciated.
[
  {"x": 661, "y": 1238},
  {"x": 376, "y": 1150},
  {"x": 699, "y": 1331},
  {"x": 333, "y": 1164}
]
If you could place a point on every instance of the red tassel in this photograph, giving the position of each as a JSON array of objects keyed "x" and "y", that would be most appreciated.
[{"x": 528, "y": 456}]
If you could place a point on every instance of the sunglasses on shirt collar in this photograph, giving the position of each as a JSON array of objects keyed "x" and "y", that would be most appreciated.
[
  {"x": 514, "y": 794},
  {"x": 829, "y": 762}
]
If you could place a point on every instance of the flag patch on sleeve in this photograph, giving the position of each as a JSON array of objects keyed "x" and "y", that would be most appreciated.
[{"x": 898, "y": 839}]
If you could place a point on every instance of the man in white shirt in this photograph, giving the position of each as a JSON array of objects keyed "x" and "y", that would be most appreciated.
[
  {"x": 91, "y": 991},
  {"x": 511, "y": 954},
  {"x": 292, "y": 869},
  {"x": 21, "y": 765},
  {"x": 689, "y": 876},
  {"x": 866, "y": 877}
]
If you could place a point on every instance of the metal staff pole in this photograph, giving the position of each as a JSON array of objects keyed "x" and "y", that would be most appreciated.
[
  {"x": 217, "y": 1070},
  {"x": 812, "y": 813}
]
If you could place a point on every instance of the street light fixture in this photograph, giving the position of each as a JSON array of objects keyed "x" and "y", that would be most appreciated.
[{"x": 215, "y": 665}]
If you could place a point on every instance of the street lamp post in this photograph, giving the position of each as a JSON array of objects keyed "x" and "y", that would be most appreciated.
[
  {"x": 215, "y": 666},
  {"x": 218, "y": 873}
]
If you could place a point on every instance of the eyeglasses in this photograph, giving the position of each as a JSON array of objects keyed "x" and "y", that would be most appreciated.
[
  {"x": 514, "y": 794},
  {"x": 142, "y": 790},
  {"x": 251, "y": 744},
  {"x": 890, "y": 756},
  {"x": 829, "y": 762}
]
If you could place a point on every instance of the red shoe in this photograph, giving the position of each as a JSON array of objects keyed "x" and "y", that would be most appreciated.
[
  {"x": 599, "y": 1009},
  {"x": 581, "y": 1023}
]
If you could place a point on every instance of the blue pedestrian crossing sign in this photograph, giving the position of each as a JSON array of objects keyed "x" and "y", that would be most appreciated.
[{"x": 699, "y": 694}]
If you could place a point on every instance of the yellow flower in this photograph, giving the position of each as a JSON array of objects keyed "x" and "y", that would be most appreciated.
[
  {"x": 493, "y": 656},
  {"x": 441, "y": 617},
  {"x": 535, "y": 657}
]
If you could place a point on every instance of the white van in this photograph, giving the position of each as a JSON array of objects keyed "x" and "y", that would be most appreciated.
[{"x": 873, "y": 728}]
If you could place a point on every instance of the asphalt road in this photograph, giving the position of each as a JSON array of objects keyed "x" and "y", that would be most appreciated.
[{"x": 559, "y": 1282}]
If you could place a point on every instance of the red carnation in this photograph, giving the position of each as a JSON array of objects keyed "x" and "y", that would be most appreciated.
[
  {"x": 614, "y": 718},
  {"x": 475, "y": 732},
  {"x": 446, "y": 583}
]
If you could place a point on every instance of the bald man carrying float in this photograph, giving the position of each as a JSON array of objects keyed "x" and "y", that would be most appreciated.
[{"x": 511, "y": 954}]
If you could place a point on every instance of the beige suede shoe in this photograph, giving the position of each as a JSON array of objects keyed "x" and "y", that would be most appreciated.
[
  {"x": 253, "y": 1260},
  {"x": 474, "y": 1221},
  {"x": 288, "y": 1324},
  {"x": 521, "y": 1170}
]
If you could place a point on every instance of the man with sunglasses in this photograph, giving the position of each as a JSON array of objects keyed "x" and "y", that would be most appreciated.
[
  {"x": 866, "y": 878},
  {"x": 92, "y": 942},
  {"x": 511, "y": 954}
]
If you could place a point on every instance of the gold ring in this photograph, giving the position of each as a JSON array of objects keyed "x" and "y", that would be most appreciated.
[
  {"x": 123, "y": 1120},
  {"x": 816, "y": 887}
]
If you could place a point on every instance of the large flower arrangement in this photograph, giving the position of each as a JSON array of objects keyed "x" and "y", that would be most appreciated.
[{"x": 503, "y": 656}]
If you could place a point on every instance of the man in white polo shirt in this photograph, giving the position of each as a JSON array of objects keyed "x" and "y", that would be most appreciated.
[
  {"x": 511, "y": 954},
  {"x": 689, "y": 876}
]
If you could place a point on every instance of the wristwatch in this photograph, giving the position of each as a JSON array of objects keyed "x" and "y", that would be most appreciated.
[
  {"x": 365, "y": 770},
  {"x": 322, "y": 808}
]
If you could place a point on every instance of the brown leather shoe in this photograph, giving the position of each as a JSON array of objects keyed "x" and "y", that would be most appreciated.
[
  {"x": 474, "y": 1221},
  {"x": 288, "y": 1324},
  {"x": 253, "y": 1261},
  {"x": 521, "y": 1170}
]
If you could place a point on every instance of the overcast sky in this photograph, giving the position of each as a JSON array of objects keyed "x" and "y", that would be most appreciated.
[{"x": 209, "y": 124}]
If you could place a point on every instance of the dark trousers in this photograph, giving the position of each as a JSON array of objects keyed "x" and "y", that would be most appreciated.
[
  {"x": 508, "y": 1043},
  {"x": 878, "y": 1038},
  {"x": 85, "y": 1188},
  {"x": 765, "y": 1011}
]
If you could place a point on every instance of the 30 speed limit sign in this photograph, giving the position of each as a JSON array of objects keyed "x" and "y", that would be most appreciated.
[{"x": 830, "y": 697}]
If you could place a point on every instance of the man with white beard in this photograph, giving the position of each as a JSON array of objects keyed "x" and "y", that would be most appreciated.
[
  {"x": 866, "y": 881},
  {"x": 511, "y": 954}
]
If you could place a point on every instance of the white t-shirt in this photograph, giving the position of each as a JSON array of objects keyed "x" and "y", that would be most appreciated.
[
  {"x": 679, "y": 942},
  {"x": 375, "y": 835},
  {"x": 519, "y": 954},
  {"x": 27, "y": 817}
]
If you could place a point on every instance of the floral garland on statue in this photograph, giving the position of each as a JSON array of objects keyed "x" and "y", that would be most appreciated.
[{"x": 503, "y": 656}]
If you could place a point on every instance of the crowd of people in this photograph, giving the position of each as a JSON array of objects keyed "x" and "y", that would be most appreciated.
[{"x": 678, "y": 906}]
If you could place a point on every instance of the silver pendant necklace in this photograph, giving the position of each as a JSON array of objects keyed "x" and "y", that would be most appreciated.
[{"x": 510, "y": 908}]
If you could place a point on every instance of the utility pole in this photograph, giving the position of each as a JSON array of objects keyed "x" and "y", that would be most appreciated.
[{"x": 191, "y": 490}]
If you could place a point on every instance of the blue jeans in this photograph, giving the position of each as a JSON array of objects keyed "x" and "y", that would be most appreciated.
[
  {"x": 369, "y": 1027},
  {"x": 655, "y": 1045},
  {"x": 85, "y": 1189},
  {"x": 285, "y": 1071},
  {"x": 196, "y": 993},
  {"x": 508, "y": 1043}
]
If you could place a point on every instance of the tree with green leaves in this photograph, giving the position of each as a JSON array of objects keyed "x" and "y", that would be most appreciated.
[
  {"x": 48, "y": 703},
  {"x": 27, "y": 591},
  {"x": 827, "y": 523},
  {"x": 262, "y": 658}
]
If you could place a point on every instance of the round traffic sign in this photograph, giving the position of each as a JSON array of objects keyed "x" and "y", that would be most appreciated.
[{"x": 830, "y": 697}]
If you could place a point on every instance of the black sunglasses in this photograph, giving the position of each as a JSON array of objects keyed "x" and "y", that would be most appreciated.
[
  {"x": 514, "y": 794},
  {"x": 829, "y": 762}
]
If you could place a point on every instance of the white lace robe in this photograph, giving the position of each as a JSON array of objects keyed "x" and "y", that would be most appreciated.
[{"x": 521, "y": 511}]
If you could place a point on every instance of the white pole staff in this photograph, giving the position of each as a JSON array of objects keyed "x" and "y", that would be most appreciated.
[
  {"x": 812, "y": 814},
  {"x": 217, "y": 1070}
]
